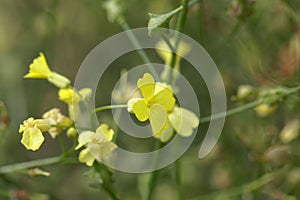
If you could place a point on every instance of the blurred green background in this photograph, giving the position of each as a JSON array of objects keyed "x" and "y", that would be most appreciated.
[{"x": 252, "y": 42}]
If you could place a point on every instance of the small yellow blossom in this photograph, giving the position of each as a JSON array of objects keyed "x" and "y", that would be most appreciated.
[
  {"x": 32, "y": 129},
  {"x": 40, "y": 69},
  {"x": 57, "y": 119},
  {"x": 98, "y": 144},
  {"x": 264, "y": 110},
  {"x": 166, "y": 55},
  {"x": 71, "y": 97},
  {"x": 157, "y": 102}
]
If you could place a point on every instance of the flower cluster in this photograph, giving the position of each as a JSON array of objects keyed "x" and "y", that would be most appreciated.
[{"x": 98, "y": 145}]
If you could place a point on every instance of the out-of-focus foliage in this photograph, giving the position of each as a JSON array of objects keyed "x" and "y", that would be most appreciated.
[{"x": 252, "y": 42}]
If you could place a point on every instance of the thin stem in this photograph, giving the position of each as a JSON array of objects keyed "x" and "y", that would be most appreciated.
[
  {"x": 30, "y": 164},
  {"x": 153, "y": 175},
  {"x": 179, "y": 179},
  {"x": 179, "y": 28},
  {"x": 140, "y": 50},
  {"x": 109, "y": 107},
  {"x": 230, "y": 112},
  {"x": 249, "y": 187},
  {"x": 62, "y": 144}
]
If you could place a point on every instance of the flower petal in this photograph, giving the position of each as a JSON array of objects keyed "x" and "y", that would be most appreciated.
[
  {"x": 84, "y": 138},
  {"x": 39, "y": 68},
  {"x": 158, "y": 118},
  {"x": 104, "y": 129},
  {"x": 164, "y": 96},
  {"x": 141, "y": 110},
  {"x": 86, "y": 157},
  {"x": 183, "y": 121},
  {"x": 32, "y": 139},
  {"x": 146, "y": 85},
  {"x": 166, "y": 135},
  {"x": 106, "y": 149}
]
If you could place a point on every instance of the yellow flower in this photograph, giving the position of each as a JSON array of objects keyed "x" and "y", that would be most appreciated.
[
  {"x": 73, "y": 98},
  {"x": 98, "y": 144},
  {"x": 264, "y": 110},
  {"x": 32, "y": 129},
  {"x": 157, "y": 102},
  {"x": 181, "y": 120},
  {"x": 40, "y": 69},
  {"x": 56, "y": 118},
  {"x": 183, "y": 49}
]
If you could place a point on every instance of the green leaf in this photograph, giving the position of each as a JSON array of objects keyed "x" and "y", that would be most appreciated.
[{"x": 160, "y": 21}]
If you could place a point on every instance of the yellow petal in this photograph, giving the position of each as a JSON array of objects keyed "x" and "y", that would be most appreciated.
[
  {"x": 164, "y": 96},
  {"x": 183, "y": 121},
  {"x": 86, "y": 157},
  {"x": 104, "y": 129},
  {"x": 106, "y": 149},
  {"x": 84, "y": 138},
  {"x": 158, "y": 118},
  {"x": 166, "y": 135},
  {"x": 32, "y": 139},
  {"x": 68, "y": 96},
  {"x": 146, "y": 85},
  {"x": 140, "y": 109},
  {"x": 85, "y": 94},
  {"x": 130, "y": 104},
  {"x": 39, "y": 68}
]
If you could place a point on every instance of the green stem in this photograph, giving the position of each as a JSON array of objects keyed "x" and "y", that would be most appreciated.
[
  {"x": 62, "y": 144},
  {"x": 249, "y": 187},
  {"x": 230, "y": 112},
  {"x": 244, "y": 107},
  {"x": 140, "y": 50},
  {"x": 154, "y": 175},
  {"x": 179, "y": 28},
  {"x": 179, "y": 179},
  {"x": 109, "y": 107},
  {"x": 30, "y": 164}
]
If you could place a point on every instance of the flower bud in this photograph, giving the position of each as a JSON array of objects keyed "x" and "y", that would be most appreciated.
[
  {"x": 72, "y": 132},
  {"x": 58, "y": 80},
  {"x": 290, "y": 131}
]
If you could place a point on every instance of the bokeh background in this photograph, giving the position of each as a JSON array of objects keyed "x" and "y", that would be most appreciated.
[{"x": 252, "y": 42}]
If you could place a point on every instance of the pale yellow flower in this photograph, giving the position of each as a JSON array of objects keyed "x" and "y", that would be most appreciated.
[
  {"x": 57, "y": 119},
  {"x": 98, "y": 145},
  {"x": 40, "y": 69},
  {"x": 32, "y": 137},
  {"x": 157, "y": 102}
]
